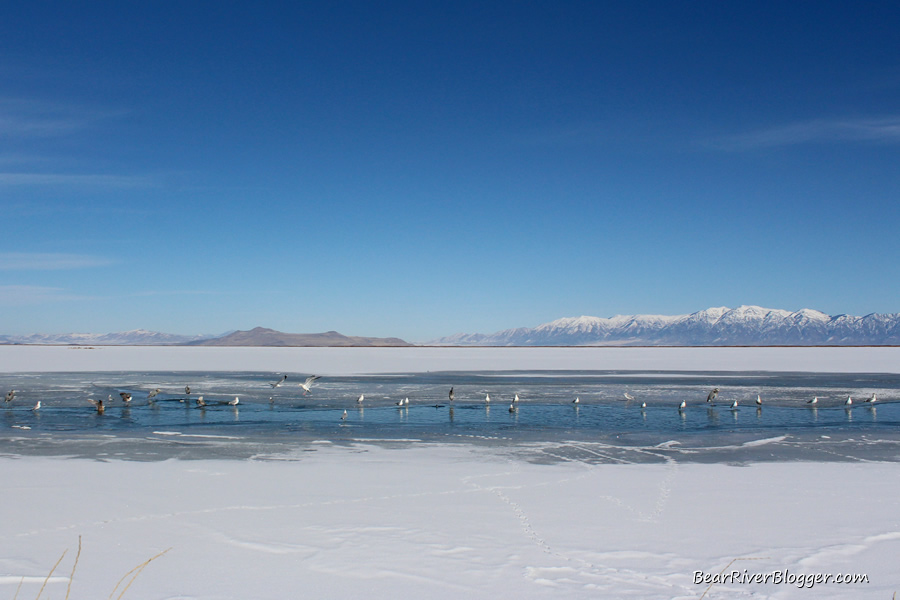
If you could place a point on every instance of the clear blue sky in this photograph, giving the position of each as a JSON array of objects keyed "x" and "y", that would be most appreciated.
[{"x": 420, "y": 169}]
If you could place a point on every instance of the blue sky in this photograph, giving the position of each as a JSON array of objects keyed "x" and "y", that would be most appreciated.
[{"x": 420, "y": 169}]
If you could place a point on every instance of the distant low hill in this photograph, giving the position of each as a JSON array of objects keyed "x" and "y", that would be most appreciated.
[{"x": 260, "y": 336}]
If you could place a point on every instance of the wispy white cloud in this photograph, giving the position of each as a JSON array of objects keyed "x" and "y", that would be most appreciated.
[
  {"x": 884, "y": 130},
  {"x": 31, "y": 118},
  {"x": 49, "y": 261},
  {"x": 89, "y": 179},
  {"x": 27, "y": 295}
]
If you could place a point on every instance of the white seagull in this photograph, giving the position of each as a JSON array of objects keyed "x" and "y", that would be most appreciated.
[
  {"x": 234, "y": 402},
  {"x": 400, "y": 403},
  {"x": 278, "y": 383},
  {"x": 516, "y": 399},
  {"x": 37, "y": 406},
  {"x": 873, "y": 399},
  {"x": 487, "y": 397},
  {"x": 643, "y": 405},
  {"x": 629, "y": 397},
  {"x": 361, "y": 398},
  {"x": 406, "y": 401},
  {"x": 306, "y": 385},
  {"x": 849, "y": 401},
  {"x": 734, "y": 405},
  {"x": 576, "y": 400},
  {"x": 344, "y": 416},
  {"x": 200, "y": 401},
  {"x": 815, "y": 400},
  {"x": 682, "y": 406},
  {"x": 758, "y": 400}
]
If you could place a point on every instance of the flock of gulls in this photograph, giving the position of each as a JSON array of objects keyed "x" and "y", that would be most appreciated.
[{"x": 126, "y": 397}]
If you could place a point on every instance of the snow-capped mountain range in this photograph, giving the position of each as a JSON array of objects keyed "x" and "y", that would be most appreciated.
[
  {"x": 742, "y": 326},
  {"x": 136, "y": 337}
]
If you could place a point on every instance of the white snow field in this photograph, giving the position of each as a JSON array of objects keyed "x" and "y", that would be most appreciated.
[
  {"x": 343, "y": 361},
  {"x": 445, "y": 520}
]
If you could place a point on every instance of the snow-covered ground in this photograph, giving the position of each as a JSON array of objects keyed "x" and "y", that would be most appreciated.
[
  {"x": 342, "y": 361},
  {"x": 444, "y": 522}
]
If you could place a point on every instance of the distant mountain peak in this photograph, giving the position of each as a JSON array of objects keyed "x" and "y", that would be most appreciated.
[{"x": 746, "y": 325}]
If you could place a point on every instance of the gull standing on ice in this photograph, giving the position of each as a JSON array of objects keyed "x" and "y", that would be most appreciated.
[
  {"x": 187, "y": 390},
  {"x": 201, "y": 402},
  {"x": 643, "y": 405},
  {"x": 487, "y": 398},
  {"x": 360, "y": 399},
  {"x": 734, "y": 405},
  {"x": 712, "y": 395},
  {"x": 849, "y": 401},
  {"x": 37, "y": 406},
  {"x": 815, "y": 400},
  {"x": 234, "y": 402},
  {"x": 576, "y": 400},
  {"x": 344, "y": 416},
  {"x": 873, "y": 399},
  {"x": 153, "y": 394},
  {"x": 682, "y": 406},
  {"x": 278, "y": 383},
  {"x": 758, "y": 400},
  {"x": 516, "y": 398},
  {"x": 308, "y": 383},
  {"x": 451, "y": 394}
]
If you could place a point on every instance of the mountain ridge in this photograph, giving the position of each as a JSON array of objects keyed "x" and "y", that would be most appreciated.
[{"x": 745, "y": 325}]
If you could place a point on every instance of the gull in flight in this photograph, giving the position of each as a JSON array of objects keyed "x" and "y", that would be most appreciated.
[
  {"x": 712, "y": 395},
  {"x": 815, "y": 400},
  {"x": 153, "y": 394},
  {"x": 306, "y": 385},
  {"x": 278, "y": 383},
  {"x": 10, "y": 395}
]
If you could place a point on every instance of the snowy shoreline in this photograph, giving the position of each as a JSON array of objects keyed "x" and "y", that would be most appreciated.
[
  {"x": 444, "y": 522},
  {"x": 343, "y": 361}
]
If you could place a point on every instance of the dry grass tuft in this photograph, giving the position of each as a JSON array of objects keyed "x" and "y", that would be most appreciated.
[{"x": 133, "y": 573}]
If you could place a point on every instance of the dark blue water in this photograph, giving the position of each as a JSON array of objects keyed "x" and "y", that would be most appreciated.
[{"x": 282, "y": 417}]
